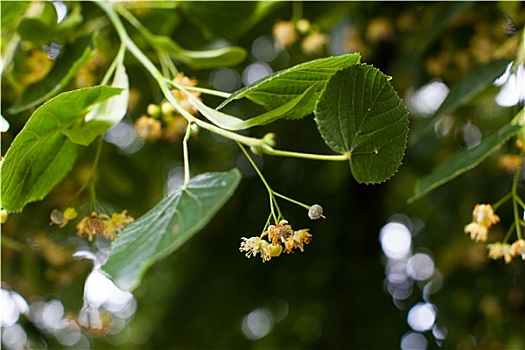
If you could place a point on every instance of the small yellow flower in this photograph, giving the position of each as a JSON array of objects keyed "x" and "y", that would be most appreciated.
[
  {"x": 279, "y": 233},
  {"x": 500, "y": 250},
  {"x": 92, "y": 225},
  {"x": 148, "y": 128},
  {"x": 484, "y": 214},
  {"x": 255, "y": 245},
  {"x": 116, "y": 224},
  {"x": 477, "y": 231},
  {"x": 182, "y": 97},
  {"x": 284, "y": 34},
  {"x": 518, "y": 248},
  {"x": 298, "y": 240},
  {"x": 314, "y": 43}
]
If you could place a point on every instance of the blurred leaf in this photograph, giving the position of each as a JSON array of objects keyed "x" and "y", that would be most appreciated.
[
  {"x": 229, "y": 122},
  {"x": 463, "y": 161},
  {"x": 224, "y": 19},
  {"x": 64, "y": 69},
  {"x": 104, "y": 115},
  {"x": 12, "y": 12},
  {"x": 464, "y": 90},
  {"x": 281, "y": 87},
  {"x": 360, "y": 113},
  {"x": 222, "y": 57},
  {"x": 41, "y": 155},
  {"x": 43, "y": 31},
  {"x": 163, "y": 229}
]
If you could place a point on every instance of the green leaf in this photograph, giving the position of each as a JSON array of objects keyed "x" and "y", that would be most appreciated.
[
  {"x": 205, "y": 59},
  {"x": 229, "y": 122},
  {"x": 360, "y": 114},
  {"x": 104, "y": 115},
  {"x": 41, "y": 155},
  {"x": 64, "y": 69},
  {"x": 464, "y": 90},
  {"x": 463, "y": 161},
  {"x": 282, "y": 87},
  {"x": 163, "y": 229},
  {"x": 43, "y": 31},
  {"x": 224, "y": 19}
]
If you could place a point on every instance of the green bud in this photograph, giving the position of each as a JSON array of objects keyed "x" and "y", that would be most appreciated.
[{"x": 315, "y": 212}]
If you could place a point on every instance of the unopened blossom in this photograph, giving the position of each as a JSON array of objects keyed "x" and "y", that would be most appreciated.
[
  {"x": 477, "y": 231},
  {"x": 518, "y": 248},
  {"x": 284, "y": 34},
  {"x": 500, "y": 250},
  {"x": 62, "y": 218}
]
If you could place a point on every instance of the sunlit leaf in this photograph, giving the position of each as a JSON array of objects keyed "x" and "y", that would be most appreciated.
[
  {"x": 360, "y": 114},
  {"x": 42, "y": 30},
  {"x": 463, "y": 161},
  {"x": 104, "y": 115},
  {"x": 281, "y": 87},
  {"x": 41, "y": 155},
  {"x": 163, "y": 229},
  {"x": 221, "y": 57},
  {"x": 64, "y": 69},
  {"x": 229, "y": 122}
]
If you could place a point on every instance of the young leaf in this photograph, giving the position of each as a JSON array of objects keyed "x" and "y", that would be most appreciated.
[
  {"x": 41, "y": 155},
  {"x": 43, "y": 31},
  {"x": 360, "y": 114},
  {"x": 163, "y": 229},
  {"x": 465, "y": 89},
  {"x": 64, "y": 69},
  {"x": 463, "y": 161},
  {"x": 283, "y": 86},
  {"x": 229, "y": 122},
  {"x": 104, "y": 115},
  {"x": 224, "y": 19},
  {"x": 222, "y": 57}
]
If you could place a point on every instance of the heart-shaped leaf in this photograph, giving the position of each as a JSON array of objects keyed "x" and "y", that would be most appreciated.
[
  {"x": 163, "y": 229},
  {"x": 282, "y": 87},
  {"x": 360, "y": 114}
]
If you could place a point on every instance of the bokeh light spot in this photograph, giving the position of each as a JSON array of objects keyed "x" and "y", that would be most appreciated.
[{"x": 395, "y": 240}]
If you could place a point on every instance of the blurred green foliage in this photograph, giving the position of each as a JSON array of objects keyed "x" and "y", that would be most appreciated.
[{"x": 334, "y": 294}]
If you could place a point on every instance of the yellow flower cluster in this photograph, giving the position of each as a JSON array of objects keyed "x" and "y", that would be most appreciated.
[
  {"x": 507, "y": 251},
  {"x": 286, "y": 33},
  {"x": 163, "y": 121},
  {"x": 483, "y": 217},
  {"x": 280, "y": 237},
  {"x": 101, "y": 224}
]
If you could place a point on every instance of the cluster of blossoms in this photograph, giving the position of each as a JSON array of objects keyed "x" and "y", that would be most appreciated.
[
  {"x": 101, "y": 224},
  {"x": 163, "y": 121},
  {"x": 280, "y": 237},
  {"x": 483, "y": 217},
  {"x": 95, "y": 224},
  {"x": 286, "y": 33}
]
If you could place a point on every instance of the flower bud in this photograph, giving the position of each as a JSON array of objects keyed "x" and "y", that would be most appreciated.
[
  {"x": 3, "y": 216},
  {"x": 269, "y": 139},
  {"x": 315, "y": 212},
  {"x": 153, "y": 110}
]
